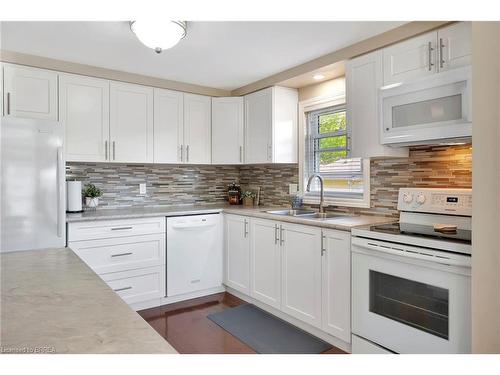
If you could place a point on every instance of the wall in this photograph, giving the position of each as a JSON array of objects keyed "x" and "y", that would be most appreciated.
[{"x": 486, "y": 193}]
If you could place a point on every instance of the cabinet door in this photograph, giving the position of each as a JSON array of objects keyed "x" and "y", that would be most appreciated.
[
  {"x": 265, "y": 262},
  {"x": 197, "y": 129},
  {"x": 363, "y": 80},
  {"x": 84, "y": 111},
  {"x": 227, "y": 130},
  {"x": 258, "y": 126},
  {"x": 336, "y": 285},
  {"x": 285, "y": 128},
  {"x": 30, "y": 92},
  {"x": 410, "y": 59},
  {"x": 301, "y": 279},
  {"x": 455, "y": 46},
  {"x": 237, "y": 253},
  {"x": 131, "y": 123},
  {"x": 168, "y": 126}
]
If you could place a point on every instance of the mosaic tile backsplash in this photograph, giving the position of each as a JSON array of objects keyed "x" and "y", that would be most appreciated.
[{"x": 443, "y": 166}]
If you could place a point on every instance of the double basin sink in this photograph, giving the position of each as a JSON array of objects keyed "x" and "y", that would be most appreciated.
[{"x": 309, "y": 214}]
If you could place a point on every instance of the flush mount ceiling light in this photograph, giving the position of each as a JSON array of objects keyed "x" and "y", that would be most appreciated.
[
  {"x": 317, "y": 77},
  {"x": 159, "y": 35}
]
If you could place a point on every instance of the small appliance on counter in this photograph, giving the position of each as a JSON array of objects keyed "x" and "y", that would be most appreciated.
[
  {"x": 233, "y": 193},
  {"x": 74, "y": 196}
]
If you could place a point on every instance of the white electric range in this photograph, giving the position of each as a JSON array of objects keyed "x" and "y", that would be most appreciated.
[{"x": 411, "y": 280}]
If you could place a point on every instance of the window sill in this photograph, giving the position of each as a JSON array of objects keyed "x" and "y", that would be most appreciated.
[{"x": 340, "y": 202}]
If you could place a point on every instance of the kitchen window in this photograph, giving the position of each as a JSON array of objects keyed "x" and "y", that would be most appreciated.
[{"x": 327, "y": 152}]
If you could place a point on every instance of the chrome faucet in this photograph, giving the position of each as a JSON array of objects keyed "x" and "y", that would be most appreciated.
[{"x": 321, "y": 194}]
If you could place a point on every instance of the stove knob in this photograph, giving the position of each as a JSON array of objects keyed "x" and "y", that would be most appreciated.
[
  {"x": 407, "y": 197},
  {"x": 420, "y": 199}
]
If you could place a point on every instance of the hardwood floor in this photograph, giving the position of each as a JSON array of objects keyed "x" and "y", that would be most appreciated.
[{"x": 186, "y": 327}]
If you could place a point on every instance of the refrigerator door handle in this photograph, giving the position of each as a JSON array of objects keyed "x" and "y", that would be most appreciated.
[{"x": 60, "y": 192}]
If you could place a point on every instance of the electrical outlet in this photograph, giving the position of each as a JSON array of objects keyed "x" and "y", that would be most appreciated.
[
  {"x": 292, "y": 189},
  {"x": 142, "y": 189}
]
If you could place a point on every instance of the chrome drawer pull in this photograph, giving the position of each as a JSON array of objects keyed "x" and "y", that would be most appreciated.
[
  {"x": 120, "y": 255},
  {"x": 122, "y": 289},
  {"x": 121, "y": 228}
]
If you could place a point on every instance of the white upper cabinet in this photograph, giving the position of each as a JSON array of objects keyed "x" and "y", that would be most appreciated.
[
  {"x": 410, "y": 59},
  {"x": 168, "y": 126},
  {"x": 336, "y": 285},
  {"x": 271, "y": 126},
  {"x": 30, "y": 92},
  {"x": 84, "y": 111},
  {"x": 301, "y": 272},
  {"x": 131, "y": 123},
  {"x": 227, "y": 130},
  {"x": 197, "y": 146},
  {"x": 455, "y": 46},
  {"x": 237, "y": 253},
  {"x": 265, "y": 262},
  {"x": 363, "y": 80}
]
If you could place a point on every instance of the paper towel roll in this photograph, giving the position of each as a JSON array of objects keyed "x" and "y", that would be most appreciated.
[{"x": 74, "y": 196}]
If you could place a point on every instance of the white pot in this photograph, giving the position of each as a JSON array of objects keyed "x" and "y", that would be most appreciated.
[{"x": 91, "y": 202}]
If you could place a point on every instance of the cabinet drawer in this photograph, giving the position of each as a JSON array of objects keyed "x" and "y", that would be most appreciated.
[
  {"x": 138, "y": 285},
  {"x": 121, "y": 254},
  {"x": 94, "y": 230}
]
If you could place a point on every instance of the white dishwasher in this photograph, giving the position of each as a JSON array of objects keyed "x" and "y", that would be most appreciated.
[{"x": 194, "y": 253}]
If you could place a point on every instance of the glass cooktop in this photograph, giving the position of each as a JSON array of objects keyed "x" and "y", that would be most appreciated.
[{"x": 416, "y": 230}]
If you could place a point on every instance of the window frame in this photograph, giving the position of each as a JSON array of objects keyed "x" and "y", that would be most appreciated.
[{"x": 316, "y": 104}]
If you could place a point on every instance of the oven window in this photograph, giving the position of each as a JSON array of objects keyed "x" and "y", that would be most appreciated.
[{"x": 418, "y": 305}]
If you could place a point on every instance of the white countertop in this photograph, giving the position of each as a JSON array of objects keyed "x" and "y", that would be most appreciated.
[{"x": 52, "y": 302}]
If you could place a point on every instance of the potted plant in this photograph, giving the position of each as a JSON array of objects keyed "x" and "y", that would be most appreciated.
[
  {"x": 91, "y": 194},
  {"x": 247, "y": 198}
]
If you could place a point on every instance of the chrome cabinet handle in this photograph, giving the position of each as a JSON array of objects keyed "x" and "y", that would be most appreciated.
[
  {"x": 187, "y": 154},
  {"x": 106, "y": 150},
  {"x": 269, "y": 152},
  {"x": 276, "y": 235},
  {"x": 114, "y": 151},
  {"x": 182, "y": 156},
  {"x": 120, "y": 255},
  {"x": 241, "y": 154},
  {"x": 8, "y": 103},
  {"x": 323, "y": 250},
  {"x": 245, "y": 230},
  {"x": 121, "y": 289},
  {"x": 282, "y": 237},
  {"x": 121, "y": 228},
  {"x": 441, "y": 57},
  {"x": 430, "y": 49}
]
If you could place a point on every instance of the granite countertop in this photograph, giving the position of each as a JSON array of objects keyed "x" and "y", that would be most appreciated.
[
  {"x": 342, "y": 222},
  {"x": 51, "y": 302}
]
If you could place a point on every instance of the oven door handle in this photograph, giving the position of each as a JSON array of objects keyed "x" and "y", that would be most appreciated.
[{"x": 405, "y": 251}]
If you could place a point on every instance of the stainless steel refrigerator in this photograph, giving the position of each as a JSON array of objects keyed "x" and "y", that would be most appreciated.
[{"x": 33, "y": 196}]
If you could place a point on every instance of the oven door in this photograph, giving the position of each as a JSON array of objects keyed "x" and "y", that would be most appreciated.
[
  {"x": 429, "y": 110},
  {"x": 410, "y": 300}
]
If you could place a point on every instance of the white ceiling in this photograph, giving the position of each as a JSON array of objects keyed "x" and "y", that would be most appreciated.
[{"x": 224, "y": 55}]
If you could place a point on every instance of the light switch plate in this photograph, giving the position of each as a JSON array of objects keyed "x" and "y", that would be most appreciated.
[
  {"x": 292, "y": 189},
  {"x": 142, "y": 189}
]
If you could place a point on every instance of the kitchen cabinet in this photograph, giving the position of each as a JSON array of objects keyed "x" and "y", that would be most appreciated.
[
  {"x": 197, "y": 129},
  {"x": 84, "y": 111},
  {"x": 455, "y": 46},
  {"x": 29, "y": 92},
  {"x": 427, "y": 54},
  {"x": 168, "y": 126},
  {"x": 301, "y": 272},
  {"x": 131, "y": 123},
  {"x": 271, "y": 126},
  {"x": 336, "y": 283},
  {"x": 363, "y": 80},
  {"x": 237, "y": 253},
  {"x": 265, "y": 261},
  {"x": 227, "y": 130}
]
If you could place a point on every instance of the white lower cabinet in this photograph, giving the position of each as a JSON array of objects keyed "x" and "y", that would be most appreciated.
[
  {"x": 301, "y": 272},
  {"x": 265, "y": 262},
  {"x": 237, "y": 253},
  {"x": 336, "y": 284},
  {"x": 129, "y": 255}
]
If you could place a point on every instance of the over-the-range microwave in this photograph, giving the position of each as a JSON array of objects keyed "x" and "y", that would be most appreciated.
[{"x": 436, "y": 109}]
